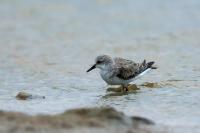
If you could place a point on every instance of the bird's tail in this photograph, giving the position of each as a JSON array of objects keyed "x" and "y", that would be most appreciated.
[
  {"x": 144, "y": 68},
  {"x": 150, "y": 65},
  {"x": 146, "y": 65}
]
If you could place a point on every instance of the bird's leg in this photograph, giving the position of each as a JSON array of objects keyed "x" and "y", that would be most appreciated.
[{"x": 125, "y": 88}]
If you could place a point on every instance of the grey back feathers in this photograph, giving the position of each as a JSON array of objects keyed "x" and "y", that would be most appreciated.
[{"x": 129, "y": 69}]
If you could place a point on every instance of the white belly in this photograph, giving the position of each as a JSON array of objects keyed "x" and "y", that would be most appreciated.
[{"x": 106, "y": 76}]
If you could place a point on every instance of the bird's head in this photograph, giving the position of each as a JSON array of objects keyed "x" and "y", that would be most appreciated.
[{"x": 101, "y": 62}]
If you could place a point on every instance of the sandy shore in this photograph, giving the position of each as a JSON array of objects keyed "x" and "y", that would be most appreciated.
[{"x": 88, "y": 120}]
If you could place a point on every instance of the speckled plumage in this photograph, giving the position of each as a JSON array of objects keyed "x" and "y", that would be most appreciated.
[
  {"x": 128, "y": 69},
  {"x": 119, "y": 71}
]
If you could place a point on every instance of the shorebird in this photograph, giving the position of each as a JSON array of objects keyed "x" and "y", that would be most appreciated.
[{"x": 119, "y": 71}]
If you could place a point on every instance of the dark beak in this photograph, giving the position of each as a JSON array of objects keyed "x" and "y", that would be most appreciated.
[{"x": 93, "y": 67}]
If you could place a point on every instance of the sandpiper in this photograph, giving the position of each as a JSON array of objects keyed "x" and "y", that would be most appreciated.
[{"x": 119, "y": 71}]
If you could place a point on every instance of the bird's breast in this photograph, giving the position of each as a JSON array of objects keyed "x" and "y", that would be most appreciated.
[{"x": 105, "y": 75}]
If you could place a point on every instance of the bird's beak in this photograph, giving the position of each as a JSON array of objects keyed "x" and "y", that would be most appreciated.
[{"x": 93, "y": 67}]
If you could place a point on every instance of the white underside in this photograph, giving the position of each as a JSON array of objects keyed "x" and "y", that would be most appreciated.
[
  {"x": 117, "y": 81},
  {"x": 143, "y": 73}
]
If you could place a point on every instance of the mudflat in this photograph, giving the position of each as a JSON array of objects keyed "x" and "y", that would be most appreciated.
[{"x": 101, "y": 119}]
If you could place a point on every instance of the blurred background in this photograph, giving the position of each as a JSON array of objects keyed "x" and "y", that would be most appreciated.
[{"x": 47, "y": 46}]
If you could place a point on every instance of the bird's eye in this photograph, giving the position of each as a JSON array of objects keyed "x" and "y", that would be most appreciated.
[{"x": 99, "y": 62}]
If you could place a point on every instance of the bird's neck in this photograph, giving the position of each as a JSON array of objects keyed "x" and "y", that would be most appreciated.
[{"x": 107, "y": 67}]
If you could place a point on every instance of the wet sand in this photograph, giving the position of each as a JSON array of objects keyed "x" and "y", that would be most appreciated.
[{"x": 86, "y": 120}]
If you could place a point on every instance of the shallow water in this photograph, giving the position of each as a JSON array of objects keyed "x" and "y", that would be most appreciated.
[{"x": 46, "y": 47}]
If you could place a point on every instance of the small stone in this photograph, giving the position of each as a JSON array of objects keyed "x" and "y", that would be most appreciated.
[
  {"x": 23, "y": 96},
  {"x": 133, "y": 87},
  {"x": 26, "y": 96},
  {"x": 151, "y": 85}
]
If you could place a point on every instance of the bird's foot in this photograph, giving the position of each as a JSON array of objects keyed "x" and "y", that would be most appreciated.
[{"x": 125, "y": 89}]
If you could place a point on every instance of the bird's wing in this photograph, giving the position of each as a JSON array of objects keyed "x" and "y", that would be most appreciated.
[{"x": 127, "y": 69}]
